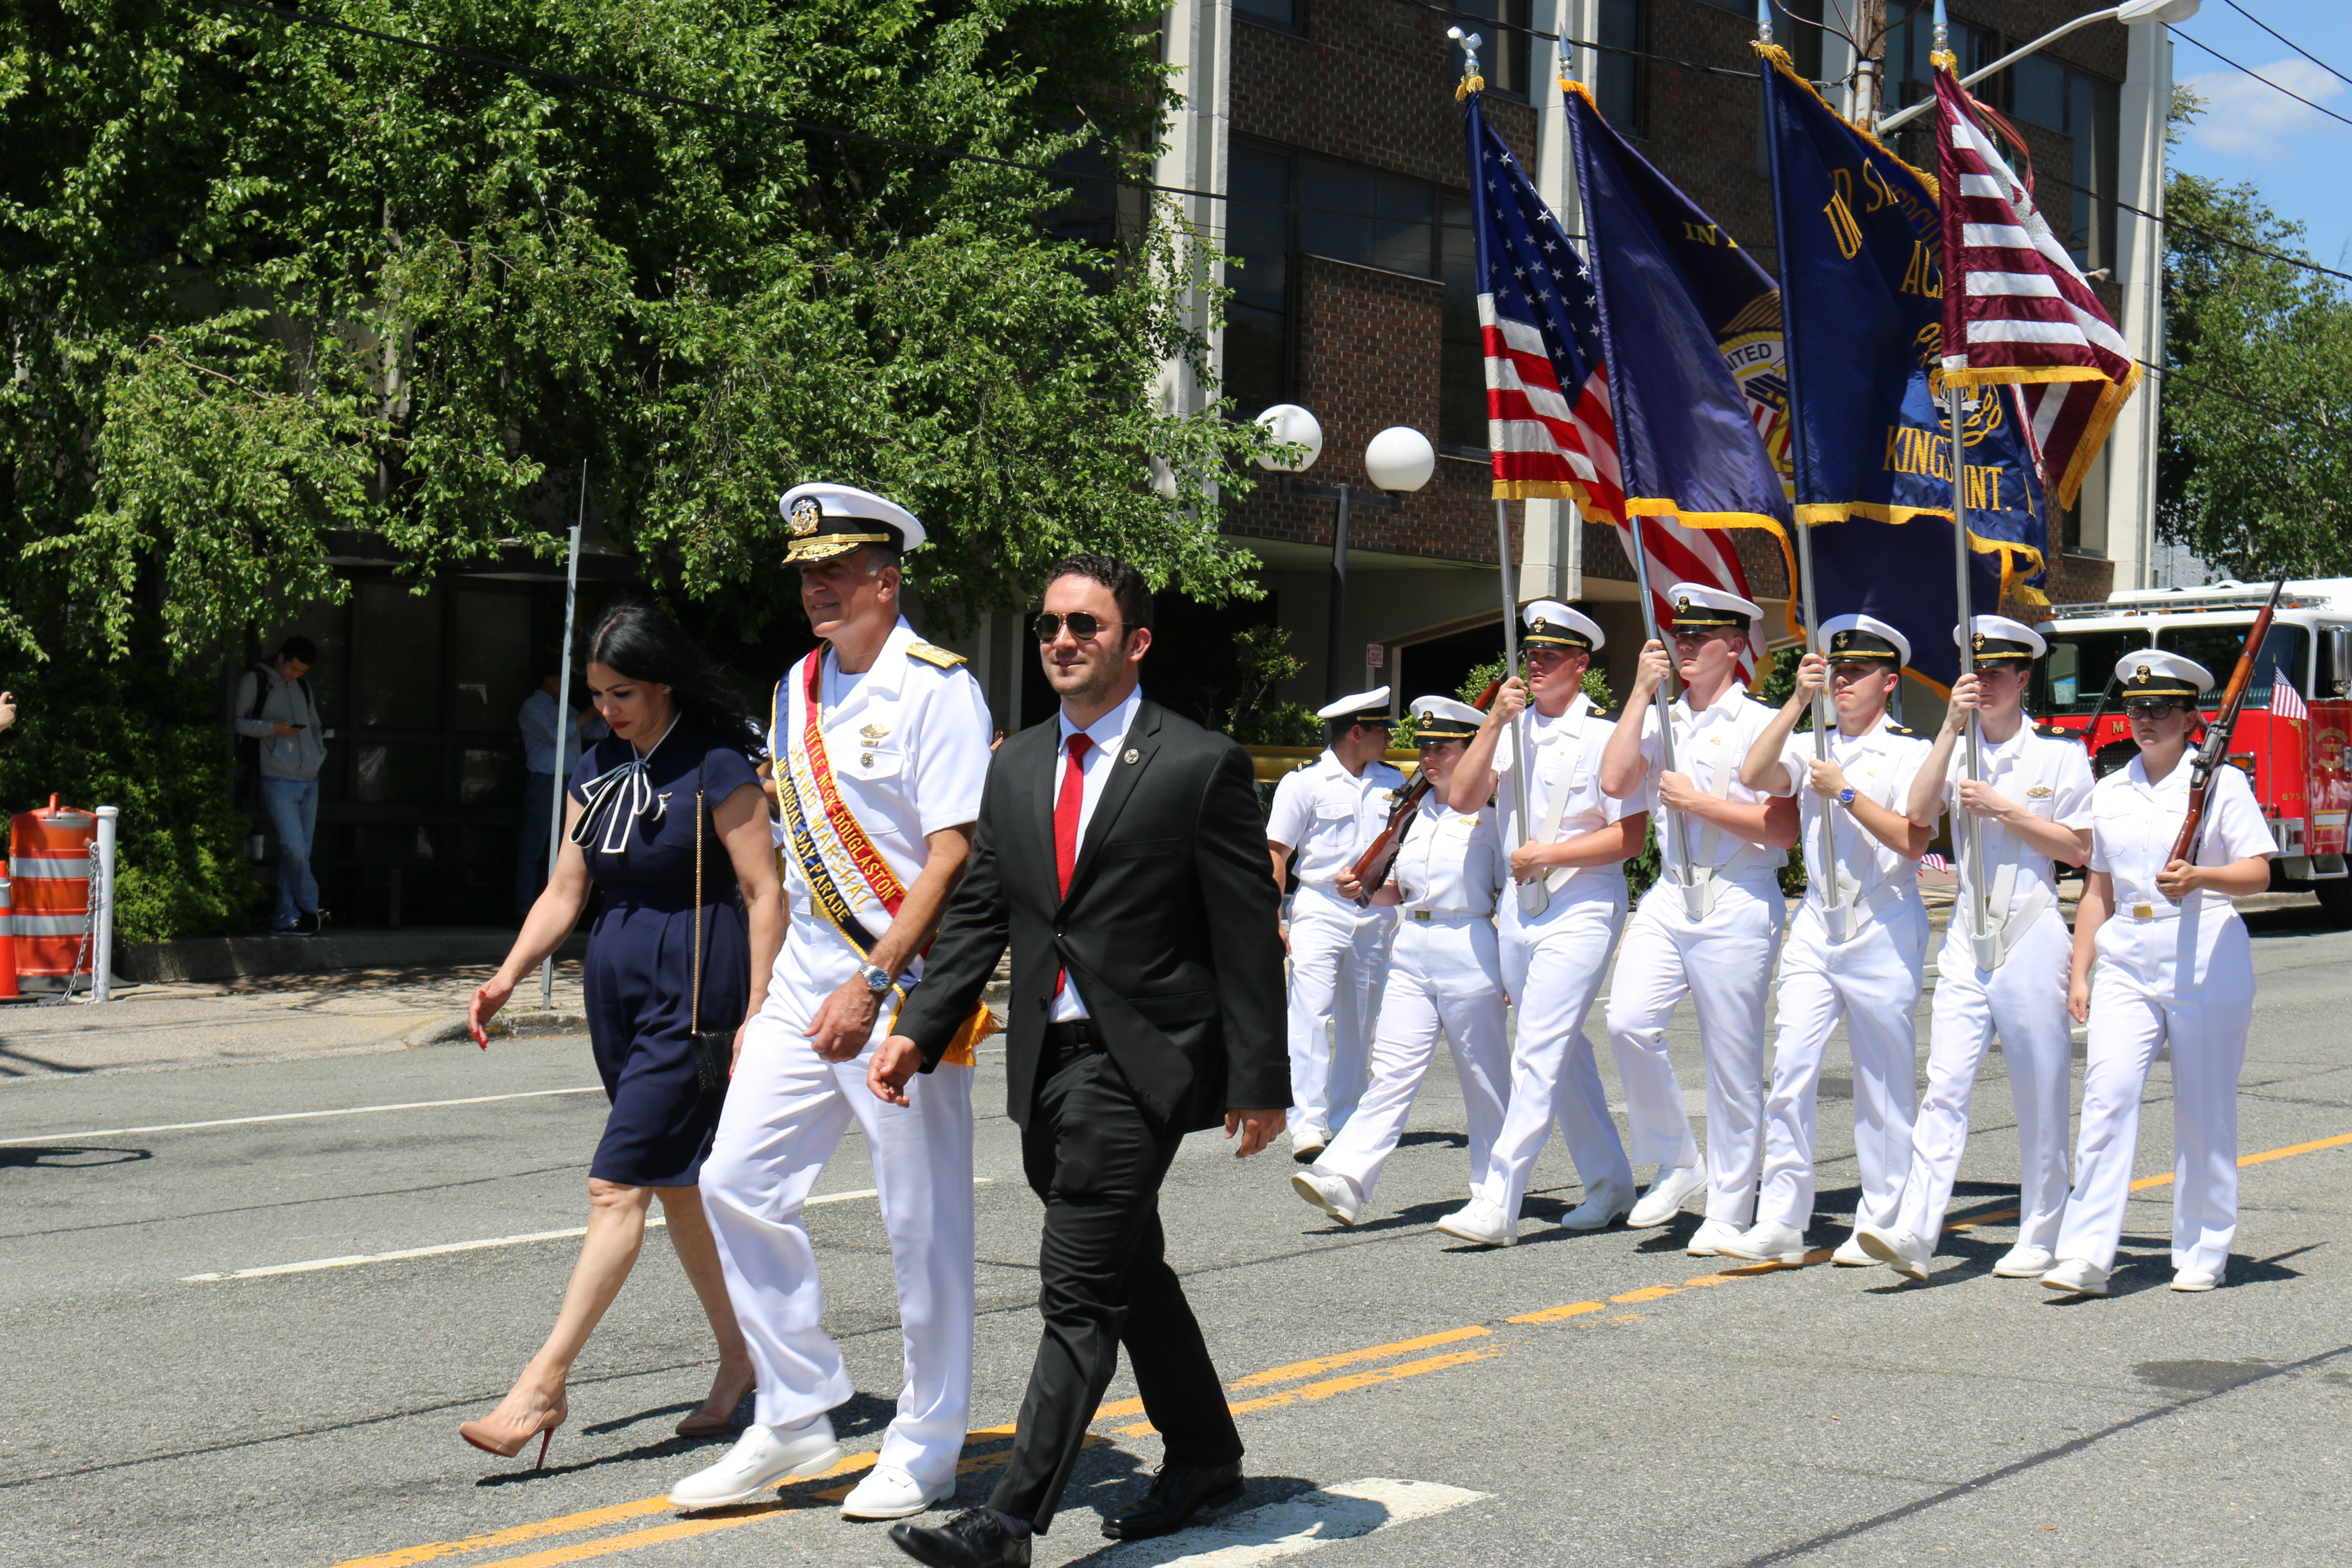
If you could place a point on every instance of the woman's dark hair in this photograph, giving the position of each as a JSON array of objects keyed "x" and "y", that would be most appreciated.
[{"x": 642, "y": 642}]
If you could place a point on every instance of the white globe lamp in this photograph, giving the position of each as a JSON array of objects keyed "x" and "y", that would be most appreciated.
[
  {"x": 1291, "y": 424},
  {"x": 1400, "y": 458}
]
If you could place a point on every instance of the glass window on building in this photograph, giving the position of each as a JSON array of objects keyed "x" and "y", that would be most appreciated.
[
  {"x": 1257, "y": 317},
  {"x": 1621, "y": 83},
  {"x": 1283, "y": 14}
]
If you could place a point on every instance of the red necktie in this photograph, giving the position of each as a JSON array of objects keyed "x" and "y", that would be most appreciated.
[{"x": 1066, "y": 807}]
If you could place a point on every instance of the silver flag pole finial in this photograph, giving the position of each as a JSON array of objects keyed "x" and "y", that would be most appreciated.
[{"x": 1469, "y": 42}]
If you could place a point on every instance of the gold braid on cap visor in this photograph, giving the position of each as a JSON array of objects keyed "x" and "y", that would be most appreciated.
[{"x": 823, "y": 547}]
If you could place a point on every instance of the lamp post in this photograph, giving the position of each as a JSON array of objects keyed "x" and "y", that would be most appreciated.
[
  {"x": 2131, "y": 14},
  {"x": 1399, "y": 459}
]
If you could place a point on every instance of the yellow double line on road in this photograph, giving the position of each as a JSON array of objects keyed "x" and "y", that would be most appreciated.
[{"x": 1312, "y": 1380}]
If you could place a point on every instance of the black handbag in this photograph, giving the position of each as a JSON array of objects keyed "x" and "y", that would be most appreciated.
[{"x": 714, "y": 1053}]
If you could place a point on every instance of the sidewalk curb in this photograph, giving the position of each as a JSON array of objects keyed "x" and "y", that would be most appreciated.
[{"x": 452, "y": 1029}]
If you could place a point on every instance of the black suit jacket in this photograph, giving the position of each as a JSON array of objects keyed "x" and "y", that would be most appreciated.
[{"x": 1170, "y": 927}]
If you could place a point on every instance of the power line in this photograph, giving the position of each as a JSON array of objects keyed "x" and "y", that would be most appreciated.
[
  {"x": 2290, "y": 43},
  {"x": 2258, "y": 76}
]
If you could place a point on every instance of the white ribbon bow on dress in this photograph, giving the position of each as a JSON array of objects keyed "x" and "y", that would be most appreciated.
[{"x": 617, "y": 798}]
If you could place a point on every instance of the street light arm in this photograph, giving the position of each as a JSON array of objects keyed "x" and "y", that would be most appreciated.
[{"x": 1901, "y": 118}]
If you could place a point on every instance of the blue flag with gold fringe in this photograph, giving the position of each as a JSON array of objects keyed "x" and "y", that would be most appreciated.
[{"x": 1861, "y": 254}]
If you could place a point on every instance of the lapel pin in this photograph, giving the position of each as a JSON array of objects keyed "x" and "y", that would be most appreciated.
[{"x": 1133, "y": 755}]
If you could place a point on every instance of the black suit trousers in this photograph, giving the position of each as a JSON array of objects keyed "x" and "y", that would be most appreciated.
[{"x": 1097, "y": 1158}]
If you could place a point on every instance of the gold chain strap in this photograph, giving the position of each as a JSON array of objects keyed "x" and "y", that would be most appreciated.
[{"x": 694, "y": 1019}]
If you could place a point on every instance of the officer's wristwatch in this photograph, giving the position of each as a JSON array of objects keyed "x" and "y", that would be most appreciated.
[
  {"x": 1845, "y": 796},
  {"x": 877, "y": 980}
]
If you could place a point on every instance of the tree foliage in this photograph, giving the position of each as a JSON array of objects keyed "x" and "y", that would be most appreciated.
[
  {"x": 2255, "y": 457},
  {"x": 269, "y": 284}
]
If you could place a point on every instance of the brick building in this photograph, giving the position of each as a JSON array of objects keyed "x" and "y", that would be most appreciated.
[{"x": 1331, "y": 128}]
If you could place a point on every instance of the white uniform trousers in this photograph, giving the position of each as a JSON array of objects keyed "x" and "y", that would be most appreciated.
[
  {"x": 1724, "y": 964},
  {"x": 1442, "y": 977},
  {"x": 2205, "y": 1024},
  {"x": 1871, "y": 981},
  {"x": 1553, "y": 964},
  {"x": 1339, "y": 954},
  {"x": 786, "y": 1110},
  {"x": 2023, "y": 1001}
]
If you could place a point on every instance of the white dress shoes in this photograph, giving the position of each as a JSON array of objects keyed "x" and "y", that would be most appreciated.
[
  {"x": 1715, "y": 1239},
  {"x": 2076, "y": 1277},
  {"x": 1854, "y": 1252},
  {"x": 1482, "y": 1220},
  {"x": 763, "y": 1458},
  {"x": 889, "y": 1492},
  {"x": 1602, "y": 1206},
  {"x": 1335, "y": 1196},
  {"x": 1901, "y": 1250},
  {"x": 2024, "y": 1261},
  {"x": 1765, "y": 1241},
  {"x": 2194, "y": 1279},
  {"x": 1306, "y": 1142},
  {"x": 1672, "y": 1184}
]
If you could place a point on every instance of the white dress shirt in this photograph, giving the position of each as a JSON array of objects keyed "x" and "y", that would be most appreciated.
[
  {"x": 1709, "y": 745},
  {"x": 1879, "y": 765},
  {"x": 1108, "y": 735},
  {"x": 1451, "y": 862},
  {"x": 2048, "y": 776},
  {"x": 1328, "y": 817}
]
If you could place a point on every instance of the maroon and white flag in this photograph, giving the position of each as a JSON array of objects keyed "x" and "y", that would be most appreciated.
[{"x": 2015, "y": 308}]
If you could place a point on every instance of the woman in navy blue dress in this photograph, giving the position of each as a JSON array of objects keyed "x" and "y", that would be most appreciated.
[{"x": 680, "y": 735}]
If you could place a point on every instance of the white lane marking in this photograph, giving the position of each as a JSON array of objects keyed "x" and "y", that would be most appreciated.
[
  {"x": 317, "y": 1263},
  {"x": 1303, "y": 1523},
  {"x": 301, "y": 1115}
]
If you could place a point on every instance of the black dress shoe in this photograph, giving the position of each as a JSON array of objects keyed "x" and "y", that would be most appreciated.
[
  {"x": 1178, "y": 1492},
  {"x": 975, "y": 1538}
]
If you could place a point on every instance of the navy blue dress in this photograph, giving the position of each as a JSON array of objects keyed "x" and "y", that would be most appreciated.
[{"x": 639, "y": 973}]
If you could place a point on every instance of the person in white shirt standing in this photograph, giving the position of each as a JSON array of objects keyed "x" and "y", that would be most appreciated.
[
  {"x": 2161, "y": 959},
  {"x": 1709, "y": 927},
  {"x": 1860, "y": 961},
  {"x": 1560, "y": 920},
  {"x": 543, "y": 762},
  {"x": 1327, "y": 815},
  {"x": 1443, "y": 978},
  {"x": 2030, "y": 809},
  {"x": 880, "y": 742}
]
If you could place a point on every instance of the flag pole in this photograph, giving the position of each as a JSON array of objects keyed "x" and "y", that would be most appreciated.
[
  {"x": 563, "y": 709},
  {"x": 1677, "y": 838},
  {"x": 1534, "y": 897}
]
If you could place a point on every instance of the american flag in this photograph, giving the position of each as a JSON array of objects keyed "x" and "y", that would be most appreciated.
[
  {"x": 1540, "y": 320},
  {"x": 2015, "y": 309},
  {"x": 2287, "y": 703}
]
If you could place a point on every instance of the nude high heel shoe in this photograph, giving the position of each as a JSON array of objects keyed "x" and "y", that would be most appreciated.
[{"x": 506, "y": 1439}]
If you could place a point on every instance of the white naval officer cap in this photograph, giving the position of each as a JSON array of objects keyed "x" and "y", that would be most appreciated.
[
  {"x": 1364, "y": 708},
  {"x": 1444, "y": 719},
  {"x": 1701, "y": 608},
  {"x": 833, "y": 520},
  {"x": 1552, "y": 623},
  {"x": 1864, "y": 636},
  {"x": 2156, "y": 672},
  {"x": 1997, "y": 639}
]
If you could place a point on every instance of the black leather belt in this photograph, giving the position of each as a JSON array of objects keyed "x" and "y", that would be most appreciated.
[{"x": 1066, "y": 1042}]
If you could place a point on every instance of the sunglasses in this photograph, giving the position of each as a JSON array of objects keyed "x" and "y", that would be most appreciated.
[
  {"x": 1083, "y": 625},
  {"x": 2152, "y": 708}
]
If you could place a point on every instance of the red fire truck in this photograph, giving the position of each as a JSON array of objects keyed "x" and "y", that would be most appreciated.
[{"x": 2297, "y": 762}]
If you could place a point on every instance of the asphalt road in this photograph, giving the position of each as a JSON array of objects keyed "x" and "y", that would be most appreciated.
[{"x": 1595, "y": 1399}]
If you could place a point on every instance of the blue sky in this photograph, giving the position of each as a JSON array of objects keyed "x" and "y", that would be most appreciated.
[{"x": 2297, "y": 156}]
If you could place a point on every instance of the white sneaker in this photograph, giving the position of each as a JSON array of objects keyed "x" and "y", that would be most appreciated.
[
  {"x": 2024, "y": 1261},
  {"x": 1481, "y": 1220},
  {"x": 763, "y": 1458},
  {"x": 1664, "y": 1198},
  {"x": 1306, "y": 1142},
  {"x": 2076, "y": 1277},
  {"x": 1715, "y": 1239},
  {"x": 1854, "y": 1252},
  {"x": 1905, "y": 1252},
  {"x": 1335, "y": 1196},
  {"x": 1765, "y": 1241},
  {"x": 2194, "y": 1279},
  {"x": 1602, "y": 1206},
  {"x": 889, "y": 1492}
]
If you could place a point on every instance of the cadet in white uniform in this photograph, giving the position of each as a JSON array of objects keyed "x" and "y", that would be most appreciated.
[
  {"x": 2030, "y": 806},
  {"x": 1860, "y": 961},
  {"x": 881, "y": 744},
  {"x": 1442, "y": 977},
  {"x": 2161, "y": 959},
  {"x": 1713, "y": 940},
  {"x": 1328, "y": 814},
  {"x": 1559, "y": 921}
]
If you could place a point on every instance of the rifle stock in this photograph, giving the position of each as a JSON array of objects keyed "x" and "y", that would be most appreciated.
[
  {"x": 2214, "y": 754},
  {"x": 1371, "y": 868}
]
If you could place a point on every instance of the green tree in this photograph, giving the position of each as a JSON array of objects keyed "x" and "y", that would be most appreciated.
[{"x": 2255, "y": 460}]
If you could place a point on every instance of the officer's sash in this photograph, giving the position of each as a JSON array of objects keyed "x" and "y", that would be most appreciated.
[{"x": 834, "y": 852}]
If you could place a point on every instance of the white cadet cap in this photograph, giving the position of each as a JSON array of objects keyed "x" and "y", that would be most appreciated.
[
  {"x": 1364, "y": 708},
  {"x": 1444, "y": 719},
  {"x": 2154, "y": 672},
  {"x": 1997, "y": 639},
  {"x": 1864, "y": 636},
  {"x": 1699, "y": 608},
  {"x": 833, "y": 520},
  {"x": 1552, "y": 623}
]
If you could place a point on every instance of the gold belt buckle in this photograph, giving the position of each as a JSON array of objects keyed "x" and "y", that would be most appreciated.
[
  {"x": 1420, "y": 914},
  {"x": 2143, "y": 911}
]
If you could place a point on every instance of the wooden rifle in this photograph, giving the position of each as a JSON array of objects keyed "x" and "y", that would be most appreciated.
[
  {"x": 2214, "y": 754},
  {"x": 1371, "y": 868}
]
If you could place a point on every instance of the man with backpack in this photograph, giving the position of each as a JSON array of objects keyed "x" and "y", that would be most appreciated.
[{"x": 275, "y": 708}]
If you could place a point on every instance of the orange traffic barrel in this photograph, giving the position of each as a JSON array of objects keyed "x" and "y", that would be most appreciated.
[{"x": 49, "y": 873}]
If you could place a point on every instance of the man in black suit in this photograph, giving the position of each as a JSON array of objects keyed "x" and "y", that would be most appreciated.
[{"x": 1120, "y": 851}]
